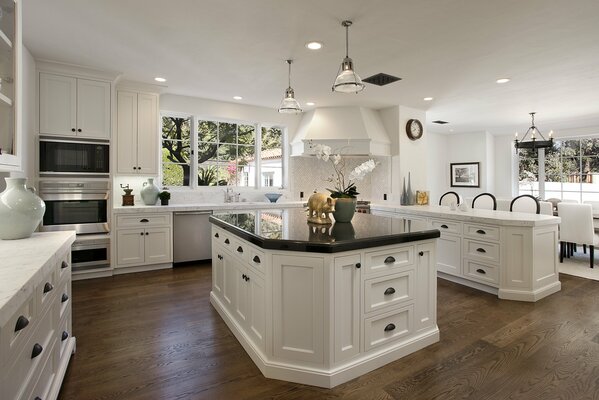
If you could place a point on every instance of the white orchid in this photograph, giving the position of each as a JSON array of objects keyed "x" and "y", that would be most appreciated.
[
  {"x": 362, "y": 170},
  {"x": 336, "y": 158}
]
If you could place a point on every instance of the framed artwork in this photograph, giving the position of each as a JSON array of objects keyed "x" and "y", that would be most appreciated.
[{"x": 465, "y": 174}]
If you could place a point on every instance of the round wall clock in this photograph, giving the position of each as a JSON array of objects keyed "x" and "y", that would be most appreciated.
[{"x": 414, "y": 129}]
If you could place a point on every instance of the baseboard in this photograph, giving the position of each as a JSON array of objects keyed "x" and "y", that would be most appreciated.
[
  {"x": 141, "y": 268},
  {"x": 532, "y": 296},
  {"x": 469, "y": 283}
]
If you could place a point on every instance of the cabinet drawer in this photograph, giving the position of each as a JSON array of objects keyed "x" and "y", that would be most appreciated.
[
  {"x": 386, "y": 261},
  {"x": 257, "y": 260},
  {"x": 388, "y": 291},
  {"x": 389, "y": 327},
  {"x": 46, "y": 292},
  {"x": 42, "y": 379},
  {"x": 239, "y": 249},
  {"x": 143, "y": 220},
  {"x": 483, "y": 232},
  {"x": 447, "y": 226},
  {"x": 16, "y": 331},
  {"x": 481, "y": 272},
  {"x": 64, "y": 298},
  {"x": 481, "y": 250}
]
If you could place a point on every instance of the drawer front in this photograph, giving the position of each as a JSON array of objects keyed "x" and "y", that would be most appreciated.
[
  {"x": 483, "y": 251},
  {"x": 143, "y": 220},
  {"x": 257, "y": 260},
  {"x": 389, "y": 327},
  {"x": 387, "y": 261},
  {"x": 482, "y": 232},
  {"x": 240, "y": 249},
  {"x": 46, "y": 291},
  {"x": 64, "y": 298},
  {"x": 39, "y": 387},
  {"x": 14, "y": 334},
  {"x": 64, "y": 333},
  {"x": 388, "y": 291},
  {"x": 447, "y": 226},
  {"x": 481, "y": 272}
]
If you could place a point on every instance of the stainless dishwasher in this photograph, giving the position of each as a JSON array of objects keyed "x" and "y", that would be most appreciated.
[{"x": 191, "y": 236}]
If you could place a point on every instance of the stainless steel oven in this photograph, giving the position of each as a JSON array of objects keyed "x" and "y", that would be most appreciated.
[
  {"x": 75, "y": 205},
  {"x": 91, "y": 252},
  {"x": 65, "y": 157}
]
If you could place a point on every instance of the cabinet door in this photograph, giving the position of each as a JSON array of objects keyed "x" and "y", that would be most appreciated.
[
  {"x": 256, "y": 324},
  {"x": 147, "y": 134},
  {"x": 347, "y": 306},
  {"x": 93, "y": 109},
  {"x": 217, "y": 271},
  {"x": 298, "y": 308},
  {"x": 229, "y": 282},
  {"x": 241, "y": 306},
  {"x": 449, "y": 250},
  {"x": 426, "y": 281},
  {"x": 58, "y": 105},
  {"x": 130, "y": 246},
  {"x": 159, "y": 245},
  {"x": 126, "y": 143}
]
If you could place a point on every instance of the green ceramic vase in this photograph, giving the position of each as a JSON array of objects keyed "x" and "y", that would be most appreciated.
[{"x": 345, "y": 209}]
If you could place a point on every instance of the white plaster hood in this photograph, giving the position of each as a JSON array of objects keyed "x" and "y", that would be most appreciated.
[{"x": 347, "y": 130}]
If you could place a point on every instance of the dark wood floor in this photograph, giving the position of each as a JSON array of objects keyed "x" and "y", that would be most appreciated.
[{"x": 155, "y": 335}]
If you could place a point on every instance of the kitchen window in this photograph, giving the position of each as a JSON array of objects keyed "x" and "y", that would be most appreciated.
[{"x": 222, "y": 153}]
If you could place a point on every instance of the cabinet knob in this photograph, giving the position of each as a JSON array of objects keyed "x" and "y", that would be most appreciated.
[
  {"x": 389, "y": 327},
  {"x": 247, "y": 278},
  {"x": 22, "y": 322},
  {"x": 79, "y": 130},
  {"x": 219, "y": 256},
  {"x": 481, "y": 271},
  {"x": 243, "y": 276},
  {"x": 389, "y": 260},
  {"x": 144, "y": 220},
  {"x": 134, "y": 167},
  {"x": 256, "y": 259},
  {"x": 480, "y": 231},
  {"x": 240, "y": 249},
  {"x": 147, "y": 233},
  {"x": 389, "y": 291},
  {"x": 481, "y": 250},
  {"x": 37, "y": 350},
  {"x": 139, "y": 168},
  {"x": 64, "y": 297},
  {"x": 216, "y": 235},
  {"x": 227, "y": 241},
  {"x": 421, "y": 253},
  {"x": 37, "y": 398},
  {"x": 73, "y": 129},
  {"x": 358, "y": 265},
  {"x": 64, "y": 336},
  {"x": 141, "y": 233},
  {"x": 48, "y": 287},
  {"x": 64, "y": 265},
  {"x": 444, "y": 226}
]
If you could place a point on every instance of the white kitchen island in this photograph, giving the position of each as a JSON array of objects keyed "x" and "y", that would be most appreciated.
[
  {"x": 512, "y": 255},
  {"x": 319, "y": 304}
]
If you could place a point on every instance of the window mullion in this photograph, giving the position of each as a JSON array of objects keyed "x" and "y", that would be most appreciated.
[{"x": 258, "y": 155}]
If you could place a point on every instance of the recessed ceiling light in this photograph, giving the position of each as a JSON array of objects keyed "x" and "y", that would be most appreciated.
[
  {"x": 503, "y": 80},
  {"x": 310, "y": 103},
  {"x": 237, "y": 97},
  {"x": 314, "y": 45},
  {"x": 428, "y": 99},
  {"x": 159, "y": 79}
]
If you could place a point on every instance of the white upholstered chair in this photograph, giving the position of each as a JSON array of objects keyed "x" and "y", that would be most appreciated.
[
  {"x": 448, "y": 198},
  {"x": 546, "y": 207},
  {"x": 595, "y": 205},
  {"x": 525, "y": 203},
  {"x": 577, "y": 228},
  {"x": 485, "y": 201}
]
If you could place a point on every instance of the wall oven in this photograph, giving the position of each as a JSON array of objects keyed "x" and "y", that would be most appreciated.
[
  {"x": 90, "y": 252},
  {"x": 80, "y": 206},
  {"x": 61, "y": 158}
]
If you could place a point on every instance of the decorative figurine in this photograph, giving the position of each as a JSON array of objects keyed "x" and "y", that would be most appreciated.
[
  {"x": 319, "y": 207},
  {"x": 128, "y": 198}
]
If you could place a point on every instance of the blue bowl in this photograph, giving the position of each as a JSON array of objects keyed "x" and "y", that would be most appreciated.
[{"x": 273, "y": 197}]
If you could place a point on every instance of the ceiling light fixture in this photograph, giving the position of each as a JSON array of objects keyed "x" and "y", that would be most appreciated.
[
  {"x": 503, "y": 80},
  {"x": 428, "y": 99},
  {"x": 159, "y": 79},
  {"x": 347, "y": 80},
  {"x": 289, "y": 105},
  {"x": 310, "y": 103},
  {"x": 237, "y": 97},
  {"x": 533, "y": 143},
  {"x": 314, "y": 45}
]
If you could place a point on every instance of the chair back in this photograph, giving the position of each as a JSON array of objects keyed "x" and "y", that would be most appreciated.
[
  {"x": 525, "y": 203},
  {"x": 546, "y": 207},
  {"x": 485, "y": 201},
  {"x": 594, "y": 204},
  {"x": 577, "y": 223},
  {"x": 448, "y": 198}
]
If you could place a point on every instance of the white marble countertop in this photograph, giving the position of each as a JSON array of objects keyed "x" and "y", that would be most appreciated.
[
  {"x": 23, "y": 264},
  {"x": 505, "y": 218},
  {"x": 242, "y": 205}
]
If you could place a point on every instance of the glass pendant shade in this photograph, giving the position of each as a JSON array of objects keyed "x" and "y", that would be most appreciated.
[
  {"x": 348, "y": 81},
  {"x": 289, "y": 105}
]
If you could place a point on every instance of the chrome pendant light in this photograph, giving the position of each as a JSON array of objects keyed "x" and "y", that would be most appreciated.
[
  {"x": 289, "y": 105},
  {"x": 533, "y": 143},
  {"x": 347, "y": 80}
]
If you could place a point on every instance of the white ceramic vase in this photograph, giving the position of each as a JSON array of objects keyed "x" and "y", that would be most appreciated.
[
  {"x": 149, "y": 193},
  {"x": 21, "y": 210}
]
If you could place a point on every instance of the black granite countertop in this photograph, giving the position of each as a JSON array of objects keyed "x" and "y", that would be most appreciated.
[{"x": 288, "y": 229}]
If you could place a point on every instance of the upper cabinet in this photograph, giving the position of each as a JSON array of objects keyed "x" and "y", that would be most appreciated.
[
  {"x": 74, "y": 107},
  {"x": 10, "y": 84},
  {"x": 137, "y": 133}
]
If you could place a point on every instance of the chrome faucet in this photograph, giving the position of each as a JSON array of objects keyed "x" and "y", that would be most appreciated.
[{"x": 228, "y": 195}]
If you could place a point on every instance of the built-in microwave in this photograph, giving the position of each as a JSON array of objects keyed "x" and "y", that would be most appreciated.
[{"x": 65, "y": 157}]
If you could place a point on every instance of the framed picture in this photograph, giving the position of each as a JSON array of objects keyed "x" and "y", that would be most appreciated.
[{"x": 465, "y": 174}]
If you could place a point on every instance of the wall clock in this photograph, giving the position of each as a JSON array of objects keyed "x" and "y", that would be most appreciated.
[{"x": 414, "y": 129}]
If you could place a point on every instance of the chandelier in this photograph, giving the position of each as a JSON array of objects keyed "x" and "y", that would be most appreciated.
[{"x": 533, "y": 142}]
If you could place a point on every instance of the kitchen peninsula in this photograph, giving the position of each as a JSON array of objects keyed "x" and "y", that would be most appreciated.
[{"x": 322, "y": 304}]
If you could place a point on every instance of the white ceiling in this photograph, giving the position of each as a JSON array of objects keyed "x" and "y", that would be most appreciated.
[{"x": 452, "y": 50}]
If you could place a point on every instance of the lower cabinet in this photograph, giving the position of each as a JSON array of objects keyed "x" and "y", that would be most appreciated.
[
  {"x": 144, "y": 240},
  {"x": 449, "y": 254},
  {"x": 346, "y": 303}
]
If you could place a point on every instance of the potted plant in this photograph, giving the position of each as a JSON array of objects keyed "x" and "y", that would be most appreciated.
[{"x": 164, "y": 197}]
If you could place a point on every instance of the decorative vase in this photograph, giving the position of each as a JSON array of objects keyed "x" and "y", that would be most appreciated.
[
  {"x": 164, "y": 202},
  {"x": 403, "y": 200},
  {"x": 410, "y": 195},
  {"x": 344, "y": 209},
  {"x": 21, "y": 210},
  {"x": 149, "y": 193}
]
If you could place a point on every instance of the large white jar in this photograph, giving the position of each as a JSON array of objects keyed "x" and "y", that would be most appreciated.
[
  {"x": 149, "y": 193},
  {"x": 21, "y": 210}
]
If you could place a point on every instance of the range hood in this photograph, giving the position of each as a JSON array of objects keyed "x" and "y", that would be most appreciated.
[{"x": 347, "y": 130}]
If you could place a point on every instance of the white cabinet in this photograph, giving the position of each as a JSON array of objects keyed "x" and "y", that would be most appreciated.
[
  {"x": 137, "y": 133},
  {"x": 347, "y": 283},
  {"x": 72, "y": 106},
  {"x": 144, "y": 239}
]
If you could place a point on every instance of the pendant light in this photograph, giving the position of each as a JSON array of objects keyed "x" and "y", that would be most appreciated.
[
  {"x": 289, "y": 105},
  {"x": 347, "y": 80},
  {"x": 533, "y": 143}
]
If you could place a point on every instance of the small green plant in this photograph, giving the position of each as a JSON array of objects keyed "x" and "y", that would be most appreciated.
[{"x": 164, "y": 195}]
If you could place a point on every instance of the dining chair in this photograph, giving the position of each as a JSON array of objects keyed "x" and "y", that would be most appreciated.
[
  {"x": 546, "y": 208},
  {"x": 525, "y": 203},
  {"x": 448, "y": 198},
  {"x": 554, "y": 201},
  {"x": 576, "y": 227},
  {"x": 595, "y": 205},
  {"x": 485, "y": 201}
]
